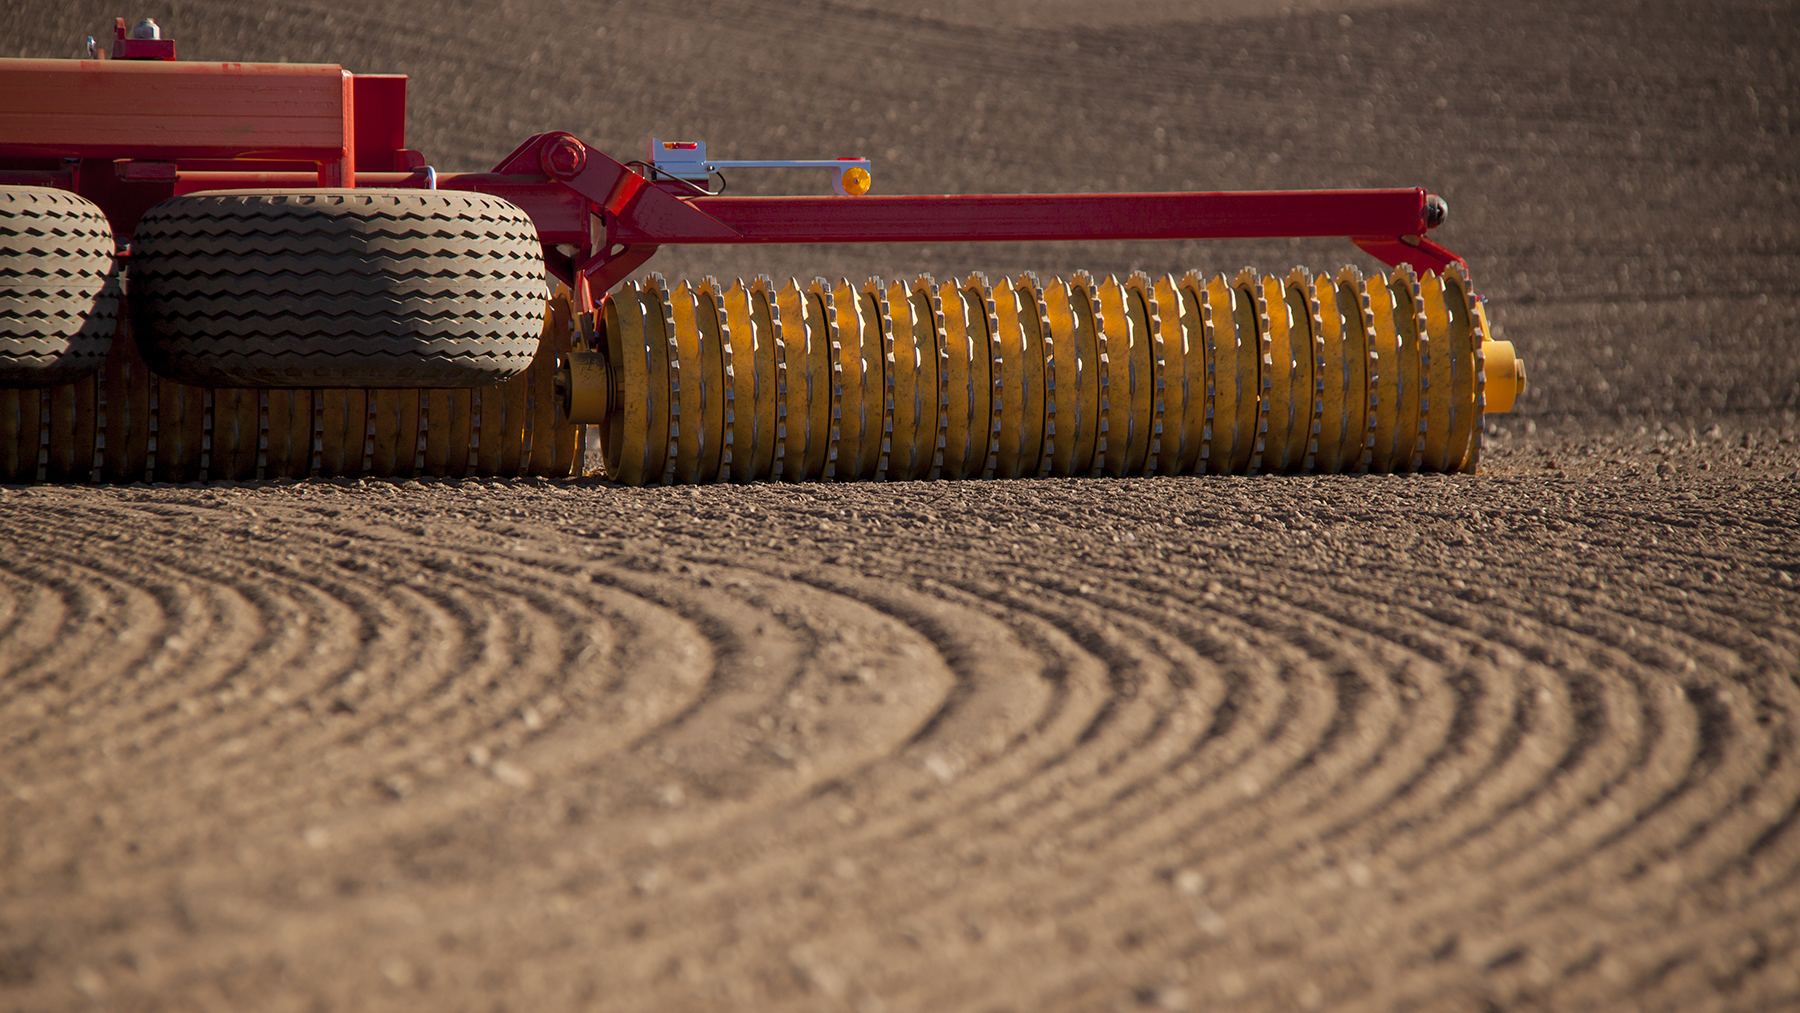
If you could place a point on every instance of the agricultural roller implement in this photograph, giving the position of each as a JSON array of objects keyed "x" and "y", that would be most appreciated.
[{"x": 222, "y": 271}]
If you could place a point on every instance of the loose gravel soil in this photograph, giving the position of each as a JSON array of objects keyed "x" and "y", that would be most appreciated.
[{"x": 1519, "y": 740}]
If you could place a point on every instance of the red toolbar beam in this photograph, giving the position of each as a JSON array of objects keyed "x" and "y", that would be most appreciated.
[{"x": 1240, "y": 215}]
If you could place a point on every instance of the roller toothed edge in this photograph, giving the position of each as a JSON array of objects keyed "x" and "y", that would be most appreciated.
[
  {"x": 1048, "y": 342},
  {"x": 1140, "y": 282},
  {"x": 1365, "y": 313},
  {"x": 764, "y": 286},
  {"x": 877, "y": 289},
  {"x": 979, "y": 283},
  {"x": 822, "y": 289},
  {"x": 709, "y": 287},
  {"x": 1250, "y": 282},
  {"x": 1302, "y": 281},
  {"x": 1415, "y": 292},
  {"x": 1084, "y": 282},
  {"x": 926, "y": 284},
  {"x": 1478, "y": 332}
]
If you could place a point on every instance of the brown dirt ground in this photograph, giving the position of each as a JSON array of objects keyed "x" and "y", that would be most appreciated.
[{"x": 1519, "y": 740}]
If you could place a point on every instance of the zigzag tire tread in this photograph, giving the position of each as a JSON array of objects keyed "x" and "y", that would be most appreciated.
[
  {"x": 59, "y": 292},
  {"x": 364, "y": 288}
]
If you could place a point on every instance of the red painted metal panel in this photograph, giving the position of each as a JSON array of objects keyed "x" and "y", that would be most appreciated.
[
  {"x": 162, "y": 110},
  {"x": 380, "y": 133}
]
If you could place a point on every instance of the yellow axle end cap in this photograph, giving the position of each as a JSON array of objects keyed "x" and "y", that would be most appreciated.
[
  {"x": 1505, "y": 373},
  {"x": 585, "y": 383}
]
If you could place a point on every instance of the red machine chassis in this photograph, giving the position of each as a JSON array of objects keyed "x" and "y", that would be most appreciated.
[{"x": 128, "y": 133}]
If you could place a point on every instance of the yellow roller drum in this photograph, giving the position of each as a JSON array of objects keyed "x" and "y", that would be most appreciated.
[
  {"x": 1062, "y": 378},
  {"x": 665, "y": 379},
  {"x": 1441, "y": 408},
  {"x": 823, "y": 352},
  {"x": 126, "y": 381},
  {"x": 341, "y": 437},
  {"x": 1280, "y": 416},
  {"x": 1147, "y": 323},
  {"x": 1084, "y": 302},
  {"x": 715, "y": 393},
  {"x": 790, "y": 439},
  {"x": 1464, "y": 339},
  {"x": 719, "y": 396},
  {"x": 978, "y": 303},
  {"x": 1359, "y": 337},
  {"x": 906, "y": 460},
  {"x": 1140, "y": 381},
  {"x": 1377, "y": 309},
  {"x": 960, "y": 392},
  {"x": 1184, "y": 377},
  {"x": 1304, "y": 329},
  {"x": 1035, "y": 370},
  {"x": 1218, "y": 338},
  {"x": 1009, "y": 386},
  {"x": 21, "y": 412},
  {"x": 1410, "y": 339},
  {"x": 688, "y": 427},
  {"x": 929, "y": 395},
  {"x": 1234, "y": 346},
  {"x": 68, "y": 452},
  {"x": 843, "y": 306},
  {"x": 753, "y": 367},
  {"x": 1253, "y": 318},
  {"x": 384, "y": 434},
  {"x": 805, "y": 458},
  {"x": 1336, "y": 402}
]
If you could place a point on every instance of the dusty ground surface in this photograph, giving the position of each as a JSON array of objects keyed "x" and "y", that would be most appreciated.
[{"x": 1520, "y": 740}]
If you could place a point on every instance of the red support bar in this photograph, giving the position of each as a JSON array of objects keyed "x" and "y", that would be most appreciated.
[{"x": 1242, "y": 215}]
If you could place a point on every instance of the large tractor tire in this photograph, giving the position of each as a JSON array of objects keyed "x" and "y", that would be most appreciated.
[
  {"x": 338, "y": 288},
  {"x": 59, "y": 291}
]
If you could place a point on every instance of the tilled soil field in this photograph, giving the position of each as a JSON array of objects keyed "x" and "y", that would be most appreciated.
[{"x": 1519, "y": 740}]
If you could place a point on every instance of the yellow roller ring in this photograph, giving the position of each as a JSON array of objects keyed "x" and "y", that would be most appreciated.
[
  {"x": 1009, "y": 385},
  {"x": 20, "y": 410},
  {"x": 1085, "y": 459},
  {"x": 1141, "y": 382},
  {"x": 1033, "y": 376},
  {"x": 985, "y": 374},
  {"x": 716, "y": 394},
  {"x": 1359, "y": 350},
  {"x": 929, "y": 395},
  {"x": 1465, "y": 386},
  {"x": 846, "y": 317},
  {"x": 1305, "y": 334},
  {"x": 1180, "y": 438},
  {"x": 1335, "y": 399},
  {"x": 1384, "y": 373},
  {"x": 904, "y": 453},
  {"x": 1062, "y": 378},
  {"x": 1253, "y": 318},
  {"x": 1146, "y": 329},
  {"x": 1283, "y": 411},
  {"x": 1409, "y": 340},
  {"x": 1441, "y": 408},
  {"x": 821, "y": 384},
  {"x": 789, "y": 337},
  {"x": 1219, "y": 345},
  {"x": 624, "y": 434},
  {"x": 959, "y": 390}
]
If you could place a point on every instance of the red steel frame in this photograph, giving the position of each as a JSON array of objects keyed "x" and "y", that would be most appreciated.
[{"x": 127, "y": 133}]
